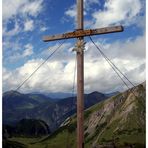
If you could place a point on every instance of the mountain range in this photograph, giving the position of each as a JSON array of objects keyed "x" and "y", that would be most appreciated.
[
  {"x": 116, "y": 122},
  {"x": 18, "y": 106}
]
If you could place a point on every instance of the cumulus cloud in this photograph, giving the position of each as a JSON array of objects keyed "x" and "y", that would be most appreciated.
[
  {"x": 13, "y": 7},
  {"x": 117, "y": 11},
  {"x": 18, "y": 17},
  {"x": 130, "y": 48},
  {"x": 51, "y": 77},
  {"x": 29, "y": 25},
  {"x": 18, "y": 7},
  {"x": 64, "y": 53},
  {"x": 19, "y": 13},
  {"x": 57, "y": 74},
  {"x": 113, "y": 12},
  {"x": 32, "y": 8}
]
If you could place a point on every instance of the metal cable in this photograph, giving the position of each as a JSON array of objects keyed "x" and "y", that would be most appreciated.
[
  {"x": 73, "y": 100},
  {"x": 120, "y": 71},
  {"x": 74, "y": 77},
  {"x": 112, "y": 63},
  {"x": 113, "y": 67},
  {"x": 38, "y": 67}
]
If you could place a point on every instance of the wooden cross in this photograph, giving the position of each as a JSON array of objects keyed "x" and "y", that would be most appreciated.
[{"x": 80, "y": 33}]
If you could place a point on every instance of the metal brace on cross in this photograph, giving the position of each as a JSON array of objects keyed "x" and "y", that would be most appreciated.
[{"x": 80, "y": 33}]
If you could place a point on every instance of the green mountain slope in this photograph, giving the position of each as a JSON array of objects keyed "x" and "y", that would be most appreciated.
[
  {"x": 115, "y": 122},
  {"x": 118, "y": 121}
]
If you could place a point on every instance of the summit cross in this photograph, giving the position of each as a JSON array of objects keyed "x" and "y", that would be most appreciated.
[{"x": 80, "y": 33}]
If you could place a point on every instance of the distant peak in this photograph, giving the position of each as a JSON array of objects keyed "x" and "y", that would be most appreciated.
[
  {"x": 95, "y": 92},
  {"x": 12, "y": 92}
]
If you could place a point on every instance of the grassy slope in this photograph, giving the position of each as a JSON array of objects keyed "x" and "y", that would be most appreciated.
[
  {"x": 13, "y": 144},
  {"x": 120, "y": 128}
]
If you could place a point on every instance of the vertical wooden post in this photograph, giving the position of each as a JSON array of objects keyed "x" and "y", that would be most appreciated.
[
  {"x": 80, "y": 63},
  {"x": 80, "y": 80}
]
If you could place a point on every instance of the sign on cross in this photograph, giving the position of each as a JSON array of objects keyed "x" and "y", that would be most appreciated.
[
  {"x": 80, "y": 33},
  {"x": 83, "y": 33}
]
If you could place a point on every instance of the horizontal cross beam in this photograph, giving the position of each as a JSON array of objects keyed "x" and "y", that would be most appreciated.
[{"x": 83, "y": 33}]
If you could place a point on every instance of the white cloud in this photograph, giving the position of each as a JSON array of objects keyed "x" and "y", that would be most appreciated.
[
  {"x": 43, "y": 28},
  {"x": 29, "y": 25},
  {"x": 88, "y": 4},
  {"x": 11, "y": 8},
  {"x": 55, "y": 76},
  {"x": 71, "y": 12},
  {"x": 113, "y": 12},
  {"x": 28, "y": 50},
  {"x": 19, "y": 7},
  {"x": 32, "y": 7},
  {"x": 14, "y": 46},
  {"x": 117, "y": 11},
  {"x": 64, "y": 53},
  {"x": 17, "y": 54},
  {"x": 131, "y": 48},
  {"x": 57, "y": 73},
  {"x": 20, "y": 12},
  {"x": 51, "y": 74}
]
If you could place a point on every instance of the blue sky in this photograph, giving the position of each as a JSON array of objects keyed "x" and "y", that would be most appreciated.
[{"x": 26, "y": 22}]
